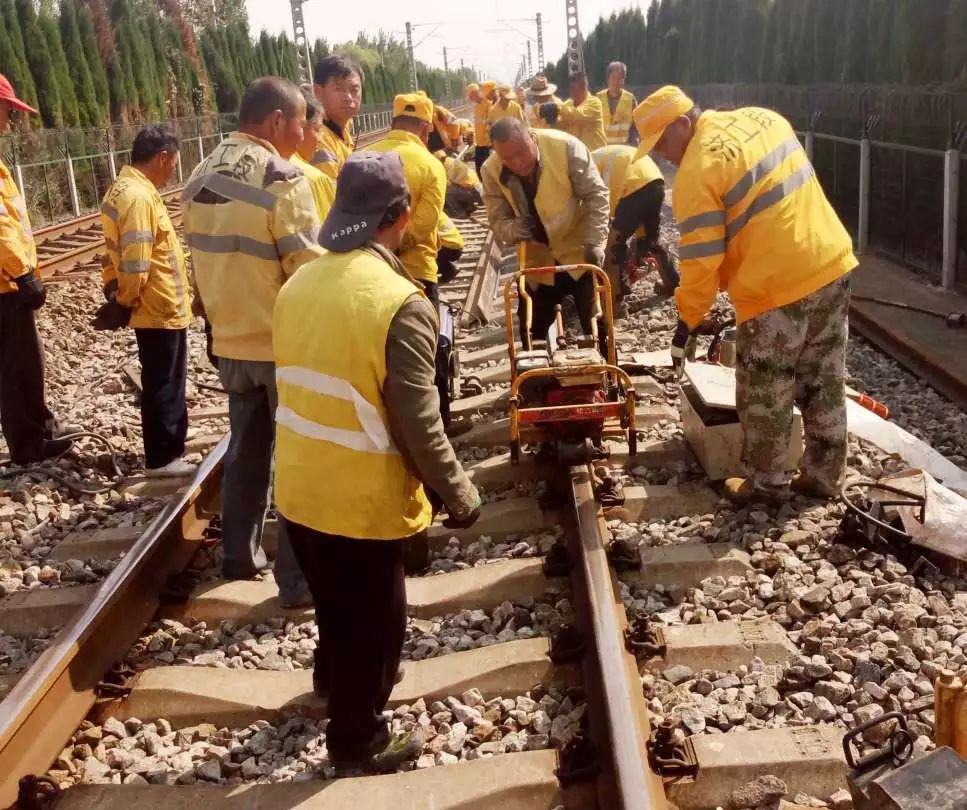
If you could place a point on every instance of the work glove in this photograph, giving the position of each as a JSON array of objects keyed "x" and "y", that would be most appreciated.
[
  {"x": 110, "y": 289},
  {"x": 111, "y": 316},
  {"x": 463, "y": 520},
  {"x": 549, "y": 111},
  {"x": 683, "y": 346},
  {"x": 33, "y": 294},
  {"x": 593, "y": 254},
  {"x": 523, "y": 229}
]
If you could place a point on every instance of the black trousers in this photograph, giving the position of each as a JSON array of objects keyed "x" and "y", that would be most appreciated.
[
  {"x": 23, "y": 410},
  {"x": 546, "y": 298},
  {"x": 480, "y": 154},
  {"x": 359, "y": 591},
  {"x": 164, "y": 414},
  {"x": 446, "y": 264}
]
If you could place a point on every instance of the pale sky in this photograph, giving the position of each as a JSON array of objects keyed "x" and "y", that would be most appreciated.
[{"x": 472, "y": 31}]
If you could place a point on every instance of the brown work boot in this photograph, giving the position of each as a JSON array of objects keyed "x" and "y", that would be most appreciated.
[
  {"x": 742, "y": 490},
  {"x": 804, "y": 484}
]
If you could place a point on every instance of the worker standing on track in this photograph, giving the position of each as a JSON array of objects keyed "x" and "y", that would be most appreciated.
[
  {"x": 480, "y": 96},
  {"x": 360, "y": 440},
  {"x": 754, "y": 219},
  {"x": 580, "y": 115},
  {"x": 637, "y": 193},
  {"x": 544, "y": 194},
  {"x": 31, "y": 432},
  {"x": 146, "y": 284},
  {"x": 338, "y": 84},
  {"x": 323, "y": 187},
  {"x": 542, "y": 92},
  {"x": 250, "y": 222},
  {"x": 618, "y": 107}
]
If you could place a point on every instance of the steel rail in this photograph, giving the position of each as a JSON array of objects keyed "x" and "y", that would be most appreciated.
[
  {"x": 626, "y": 714},
  {"x": 56, "y": 693}
]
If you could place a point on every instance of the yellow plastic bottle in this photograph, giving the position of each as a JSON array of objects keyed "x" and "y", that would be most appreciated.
[{"x": 947, "y": 708}]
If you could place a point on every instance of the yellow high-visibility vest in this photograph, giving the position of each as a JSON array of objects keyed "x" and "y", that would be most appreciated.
[
  {"x": 337, "y": 469},
  {"x": 18, "y": 252},
  {"x": 617, "y": 126},
  {"x": 481, "y": 125},
  {"x": 332, "y": 151},
  {"x": 622, "y": 173}
]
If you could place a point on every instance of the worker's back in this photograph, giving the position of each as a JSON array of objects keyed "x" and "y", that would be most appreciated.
[
  {"x": 622, "y": 173},
  {"x": 250, "y": 222},
  {"x": 748, "y": 204}
]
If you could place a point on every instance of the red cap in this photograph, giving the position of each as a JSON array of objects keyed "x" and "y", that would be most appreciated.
[{"x": 7, "y": 94}]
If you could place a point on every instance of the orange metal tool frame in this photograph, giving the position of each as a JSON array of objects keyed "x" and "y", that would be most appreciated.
[{"x": 530, "y": 417}]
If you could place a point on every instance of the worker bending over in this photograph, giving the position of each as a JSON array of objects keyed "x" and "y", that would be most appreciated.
[
  {"x": 544, "y": 194},
  {"x": 637, "y": 192},
  {"x": 360, "y": 441},
  {"x": 446, "y": 130},
  {"x": 580, "y": 115},
  {"x": 322, "y": 185},
  {"x": 754, "y": 219},
  {"x": 146, "y": 284},
  {"x": 338, "y": 84},
  {"x": 618, "y": 107},
  {"x": 31, "y": 432},
  {"x": 480, "y": 96},
  {"x": 250, "y": 222},
  {"x": 463, "y": 186}
]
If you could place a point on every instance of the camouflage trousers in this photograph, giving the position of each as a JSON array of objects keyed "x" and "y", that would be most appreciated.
[{"x": 795, "y": 354}]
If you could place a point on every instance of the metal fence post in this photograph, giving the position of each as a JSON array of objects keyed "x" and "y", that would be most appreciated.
[
  {"x": 112, "y": 164},
  {"x": 951, "y": 194},
  {"x": 863, "y": 220},
  {"x": 201, "y": 143},
  {"x": 181, "y": 171},
  {"x": 810, "y": 145},
  {"x": 72, "y": 184}
]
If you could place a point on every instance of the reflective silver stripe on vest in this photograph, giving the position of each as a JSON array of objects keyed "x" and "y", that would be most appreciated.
[
  {"x": 374, "y": 436},
  {"x": 232, "y": 243},
  {"x": 768, "y": 198},
  {"x": 228, "y": 187},
  {"x": 323, "y": 156},
  {"x": 292, "y": 242},
  {"x": 702, "y": 250},
  {"x": 760, "y": 170},
  {"x": 110, "y": 212},
  {"x": 137, "y": 238},
  {"x": 136, "y": 266},
  {"x": 175, "y": 266},
  {"x": 708, "y": 219}
]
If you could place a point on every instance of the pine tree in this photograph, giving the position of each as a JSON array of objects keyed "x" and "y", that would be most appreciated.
[
  {"x": 752, "y": 26},
  {"x": 41, "y": 65},
  {"x": 857, "y": 42},
  {"x": 955, "y": 56},
  {"x": 18, "y": 71},
  {"x": 94, "y": 62},
  {"x": 88, "y": 110},
  {"x": 62, "y": 74}
]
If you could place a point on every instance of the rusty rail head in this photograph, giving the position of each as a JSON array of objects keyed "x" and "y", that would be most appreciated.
[
  {"x": 627, "y": 722},
  {"x": 48, "y": 703}
]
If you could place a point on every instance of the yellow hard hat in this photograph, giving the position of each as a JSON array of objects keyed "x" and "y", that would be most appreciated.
[
  {"x": 472, "y": 88},
  {"x": 657, "y": 112},
  {"x": 415, "y": 105},
  {"x": 488, "y": 86}
]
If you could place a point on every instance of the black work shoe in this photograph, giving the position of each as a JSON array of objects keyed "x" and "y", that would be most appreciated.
[
  {"x": 51, "y": 449},
  {"x": 386, "y": 753}
]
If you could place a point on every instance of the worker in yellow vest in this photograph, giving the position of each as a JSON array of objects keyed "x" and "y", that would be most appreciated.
[
  {"x": 618, "y": 106},
  {"x": 754, "y": 220},
  {"x": 446, "y": 130},
  {"x": 338, "y": 84},
  {"x": 146, "y": 282},
  {"x": 360, "y": 444},
  {"x": 322, "y": 185},
  {"x": 451, "y": 249},
  {"x": 463, "y": 186},
  {"x": 544, "y": 194},
  {"x": 30, "y": 429},
  {"x": 541, "y": 92},
  {"x": 580, "y": 115},
  {"x": 427, "y": 182},
  {"x": 637, "y": 192},
  {"x": 482, "y": 98},
  {"x": 505, "y": 107}
]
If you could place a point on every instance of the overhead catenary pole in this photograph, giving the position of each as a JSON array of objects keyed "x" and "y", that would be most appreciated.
[
  {"x": 446, "y": 72},
  {"x": 301, "y": 42},
  {"x": 530, "y": 64},
  {"x": 575, "y": 44},
  {"x": 540, "y": 44},
  {"x": 409, "y": 51}
]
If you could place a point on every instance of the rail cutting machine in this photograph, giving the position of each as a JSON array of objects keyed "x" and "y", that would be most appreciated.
[{"x": 567, "y": 392}]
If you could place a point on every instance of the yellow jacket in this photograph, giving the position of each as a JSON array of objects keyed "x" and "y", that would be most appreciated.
[
  {"x": 571, "y": 203},
  {"x": 617, "y": 126},
  {"x": 622, "y": 173},
  {"x": 753, "y": 217},
  {"x": 333, "y": 149},
  {"x": 449, "y": 234},
  {"x": 584, "y": 121},
  {"x": 322, "y": 185},
  {"x": 536, "y": 121},
  {"x": 427, "y": 182},
  {"x": 481, "y": 125},
  {"x": 144, "y": 254},
  {"x": 460, "y": 173},
  {"x": 250, "y": 222},
  {"x": 496, "y": 112},
  {"x": 18, "y": 253},
  {"x": 337, "y": 469}
]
